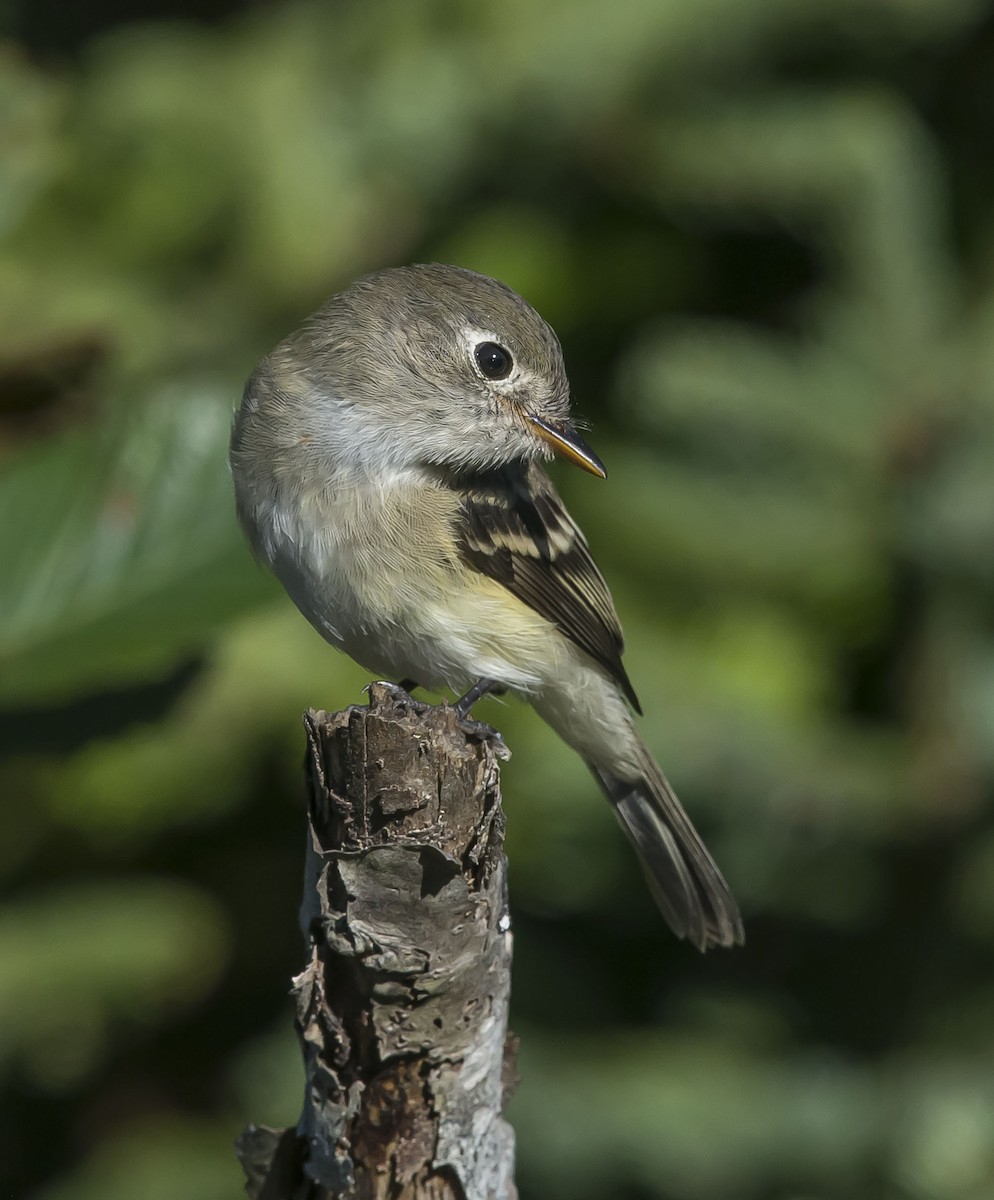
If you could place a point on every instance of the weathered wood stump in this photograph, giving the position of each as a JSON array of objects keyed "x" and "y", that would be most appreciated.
[{"x": 402, "y": 1005}]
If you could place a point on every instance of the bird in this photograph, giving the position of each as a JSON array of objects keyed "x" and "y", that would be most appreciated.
[{"x": 388, "y": 460}]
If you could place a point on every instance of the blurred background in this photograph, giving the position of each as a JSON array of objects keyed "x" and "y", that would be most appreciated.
[{"x": 765, "y": 234}]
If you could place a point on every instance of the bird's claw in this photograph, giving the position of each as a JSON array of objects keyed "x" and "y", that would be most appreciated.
[
  {"x": 480, "y": 731},
  {"x": 376, "y": 688},
  {"x": 477, "y": 731}
]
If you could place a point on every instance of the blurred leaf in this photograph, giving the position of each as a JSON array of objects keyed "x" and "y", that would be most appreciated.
[
  {"x": 157, "y": 1160},
  {"x": 941, "y": 1144},
  {"x": 30, "y": 106},
  {"x": 949, "y": 519},
  {"x": 82, "y": 961},
  {"x": 199, "y": 762},
  {"x": 134, "y": 556},
  {"x": 812, "y": 542},
  {"x": 780, "y": 403},
  {"x": 647, "y": 1110},
  {"x": 268, "y": 1077}
]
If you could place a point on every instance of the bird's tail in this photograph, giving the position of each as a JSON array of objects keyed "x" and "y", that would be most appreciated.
[{"x": 687, "y": 885}]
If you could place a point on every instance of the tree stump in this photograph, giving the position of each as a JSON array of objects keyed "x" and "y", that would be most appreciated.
[{"x": 402, "y": 1005}]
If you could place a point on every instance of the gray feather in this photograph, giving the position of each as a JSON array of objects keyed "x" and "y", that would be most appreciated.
[{"x": 687, "y": 886}]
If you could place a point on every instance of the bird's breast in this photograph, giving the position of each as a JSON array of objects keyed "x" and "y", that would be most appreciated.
[
  {"x": 377, "y": 571},
  {"x": 374, "y": 551}
]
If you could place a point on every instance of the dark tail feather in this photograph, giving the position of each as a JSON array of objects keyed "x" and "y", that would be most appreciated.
[{"x": 682, "y": 875}]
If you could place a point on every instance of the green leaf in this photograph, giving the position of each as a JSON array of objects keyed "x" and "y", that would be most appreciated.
[{"x": 121, "y": 552}]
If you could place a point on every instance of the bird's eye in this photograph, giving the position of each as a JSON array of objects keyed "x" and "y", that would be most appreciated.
[{"x": 494, "y": 361}]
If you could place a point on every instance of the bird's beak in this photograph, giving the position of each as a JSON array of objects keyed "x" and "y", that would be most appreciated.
[{"x": 568, "y": 444}]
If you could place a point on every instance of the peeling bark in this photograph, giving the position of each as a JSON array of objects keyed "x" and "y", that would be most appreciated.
[{"x": 402, "y": 1005}]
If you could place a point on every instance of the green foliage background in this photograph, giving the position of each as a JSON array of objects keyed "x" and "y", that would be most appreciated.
[{"x": 764, "y": 232}]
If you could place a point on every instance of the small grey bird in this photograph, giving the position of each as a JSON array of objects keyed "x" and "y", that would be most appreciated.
[{"x": 387, "y": 467}]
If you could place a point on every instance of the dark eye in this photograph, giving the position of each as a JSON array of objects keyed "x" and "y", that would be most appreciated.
[{"x": 494, "y": 361}]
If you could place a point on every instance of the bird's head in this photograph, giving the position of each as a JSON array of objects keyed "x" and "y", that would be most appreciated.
[{"x": 430, "y": 365}]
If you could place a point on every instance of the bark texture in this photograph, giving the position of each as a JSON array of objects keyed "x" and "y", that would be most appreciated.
[{"x": 402, "y": 1005}]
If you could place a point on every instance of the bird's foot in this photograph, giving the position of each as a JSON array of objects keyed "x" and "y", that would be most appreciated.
[
  {"x": 398, "y": 693},
  {"x": 480, "y": 731}
]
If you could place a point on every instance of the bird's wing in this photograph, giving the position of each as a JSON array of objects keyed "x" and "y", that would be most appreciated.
[{"x": 514, "y": 527}]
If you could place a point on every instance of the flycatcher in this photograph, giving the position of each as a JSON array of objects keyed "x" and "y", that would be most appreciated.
[{"x": 387, "y": 466}]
